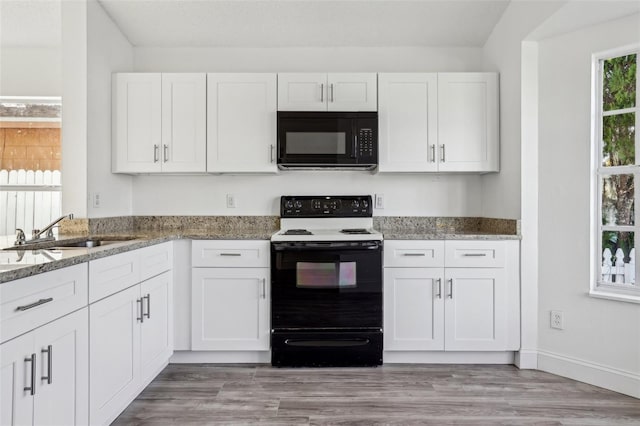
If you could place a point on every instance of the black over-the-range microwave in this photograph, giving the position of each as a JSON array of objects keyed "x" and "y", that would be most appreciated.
[{"x": 327, "y": 140}]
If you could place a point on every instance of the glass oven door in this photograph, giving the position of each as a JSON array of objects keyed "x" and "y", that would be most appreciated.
[{"x": 325, "y": 285}]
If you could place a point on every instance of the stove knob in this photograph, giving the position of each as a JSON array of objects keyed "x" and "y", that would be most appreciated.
[
  {"x": 288, "y": 204},
  {"x": 298, "y": 204},
  {"x": 355, "y": 204},
  {"x": 365, "y": 204}
]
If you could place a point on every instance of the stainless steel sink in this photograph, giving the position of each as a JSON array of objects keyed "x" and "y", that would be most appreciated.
[{"x": 69, "y": 244}]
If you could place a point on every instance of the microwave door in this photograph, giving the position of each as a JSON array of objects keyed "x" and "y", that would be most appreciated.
[{"x": 316, "y": 141}]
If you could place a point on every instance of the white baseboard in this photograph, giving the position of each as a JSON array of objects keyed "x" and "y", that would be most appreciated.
[
  {"x": 599, "y": 375},
  {"x": 436, "y": 357},
  {"x": 526, "y": 360},
  {"x": 221, "y": 357}
]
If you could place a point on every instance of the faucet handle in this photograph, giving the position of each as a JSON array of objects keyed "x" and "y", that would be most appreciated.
[
  {"x": 20, "y": 237},
  {"x": 35, "y": 234}
]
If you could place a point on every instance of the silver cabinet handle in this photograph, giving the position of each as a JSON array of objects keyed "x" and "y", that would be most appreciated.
[
  {"x": 442, "y": 153},
  {"x": 230, "y": 254},
  {"x": 148, "y": 314},
  {"x": 433, "y": 153},
  {"x": 49, "y": 376},
  {"x": 272, "y": 149},
  {"x": 439, "y": 293},
  {"x": 156, "y": 149},
  {"x": 321, "y": 92},
  {"x": 331, "y": 87},
  {"x": 264, "y": 288},
  {"x": 414, "y": 254},
  {"x": 165, "y": 153},
  {"x": 450, "y": 288},
  {"x": 32, "y": 388},
  {"x": 475, "y": 254},
  {"x": 141, "y": 317},
  {"x": 34, "y": 304}
]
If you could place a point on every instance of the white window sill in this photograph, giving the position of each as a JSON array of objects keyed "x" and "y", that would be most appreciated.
[{"x": 604, "y": 294}]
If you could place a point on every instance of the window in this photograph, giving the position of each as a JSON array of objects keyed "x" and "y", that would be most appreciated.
[{"x": 616, "y": 170}]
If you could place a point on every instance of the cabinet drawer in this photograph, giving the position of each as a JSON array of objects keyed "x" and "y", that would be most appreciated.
[
  {"x": 155, "y": 260},
  {"x": 413, "y": 253},
  {"x": 30, "y": 302},
  {"x": 475, "y": 254},
  {"x": 112, "y": 274},
  {"x": 230, "y": 253}
]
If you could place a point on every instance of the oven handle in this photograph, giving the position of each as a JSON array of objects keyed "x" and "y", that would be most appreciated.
[
  {"x": 329, "y": 343},
  {"x": 307, "y": 246}
]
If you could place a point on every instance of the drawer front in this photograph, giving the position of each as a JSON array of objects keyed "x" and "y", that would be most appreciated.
[
  {"x": 475, "y": 254},
  {"x": 112, "y": 274},
  {"x": 155, "y": 260},
  {"x": 413, "y": 253},
  {"x": 230, "y": 254},
  {"x": 30, "y": 302}
]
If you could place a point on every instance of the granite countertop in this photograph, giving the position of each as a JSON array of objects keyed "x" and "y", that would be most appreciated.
[
  {"x": 431, "y": 234},
  {"x": 16, "y": 264}
]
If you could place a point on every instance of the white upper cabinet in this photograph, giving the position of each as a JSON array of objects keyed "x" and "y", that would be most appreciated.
[
  {"x": 137, "y": 117},
  {"x": 159, "y": 123},
  {"x": 408, "y": 122},
  {"x": 327, "y": 92},
  {"x": 468, "y": 128},
  {"x": 184, "y": 123},
  {"x": 445, "y": 122},
  {"x": 241, "y": 120}
]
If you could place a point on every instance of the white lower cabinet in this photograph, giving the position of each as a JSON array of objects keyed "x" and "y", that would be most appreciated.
[
  {"x": 44, "y": 374},
  {"x": 131, "y": 340},
  {"x": 230, "y": 302},
  {"x": 472, "y": 308}
]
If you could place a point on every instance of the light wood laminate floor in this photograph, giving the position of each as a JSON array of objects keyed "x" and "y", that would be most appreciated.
[{"x": 196, "y": 394}]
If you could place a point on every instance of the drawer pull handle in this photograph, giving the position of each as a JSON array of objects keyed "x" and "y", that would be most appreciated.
[
  {"x": 230, "y": 254},
  {"x": 450, "y": 288},
  {"x": 475, "y": 254},
  {"x": 148, "y": 313},
  {"x": 49, "y": 376},
  {"x": 34, "y": 304},
  {"x": 141, "y": 317},
  {"x": 32, "y": 360},
  {"x": 413, "y": 254},
  {"x": 439, "y": 293}
]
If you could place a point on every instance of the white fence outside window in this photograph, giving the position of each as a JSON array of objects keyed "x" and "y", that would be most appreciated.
[
  {"x": 29, "y": 199},
  {"x": 614, "y": 268}
]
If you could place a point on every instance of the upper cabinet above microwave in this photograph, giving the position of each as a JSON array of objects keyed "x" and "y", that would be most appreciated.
[{"x": 327, "y": 92}]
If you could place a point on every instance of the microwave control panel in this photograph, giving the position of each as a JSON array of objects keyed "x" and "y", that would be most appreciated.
[{"x": 365, "y": 143}]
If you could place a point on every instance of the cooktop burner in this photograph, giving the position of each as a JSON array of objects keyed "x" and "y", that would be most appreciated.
[
  {"x": 355, "y": 231},
  {"x": 297, "y": 232}
]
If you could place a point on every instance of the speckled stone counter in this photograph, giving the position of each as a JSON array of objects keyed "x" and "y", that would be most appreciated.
[{"x": 446, "y": 228}]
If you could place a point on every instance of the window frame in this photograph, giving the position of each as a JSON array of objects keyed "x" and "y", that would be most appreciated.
[{"x": 599, "y": 289}]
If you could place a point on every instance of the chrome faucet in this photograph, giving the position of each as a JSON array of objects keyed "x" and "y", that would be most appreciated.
[{"x": 36, "y": 236}]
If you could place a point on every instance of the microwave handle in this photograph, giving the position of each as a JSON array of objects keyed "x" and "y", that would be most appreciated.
[{"x": 355, "y": 146}]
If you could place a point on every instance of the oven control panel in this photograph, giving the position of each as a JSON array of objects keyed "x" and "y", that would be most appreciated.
[{"x": 326, "y": 206}]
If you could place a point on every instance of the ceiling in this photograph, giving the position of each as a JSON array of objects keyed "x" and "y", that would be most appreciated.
[{"x": 321, "y": 23}]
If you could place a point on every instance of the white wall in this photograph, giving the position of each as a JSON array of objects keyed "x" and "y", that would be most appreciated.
[
  {"x": 108, "y": 51},
  {"x": 74, "y": 103},
  {"x": 502, "y": 51},
  {"x": 600, "y": 342},
  {"x": 30, "y": 71},
  {"x": 412, "y": 194}
]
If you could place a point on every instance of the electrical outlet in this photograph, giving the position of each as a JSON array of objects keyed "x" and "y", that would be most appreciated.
[
  {"x": 379, "y": 203},
  {"x": 557, "y": 320},
  {"x": 96, "y": 200},
  {"x": 231, "y": 201}
]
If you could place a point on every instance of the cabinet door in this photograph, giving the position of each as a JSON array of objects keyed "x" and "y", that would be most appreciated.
[
  {"x": 408, "y": 122},
  {"x": 16, "y": 403},
  {"x": 230, "y": 308},
  {"x": 184, "y": 122},
  {"x": 302, "y": 92},
  {"x": 241, "y": 120},
  {"x": 468, "y": 122},
  {"x": 136, "y": 118},
  {"x": 62, "y": 348},
  {"x": 156, "y": 332},
  {"x": 413, "y": 309},
  {"x": 114, "y": 350},
  {"x": 352, "y": 92},
  {"x": 475, "y": 309}
]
